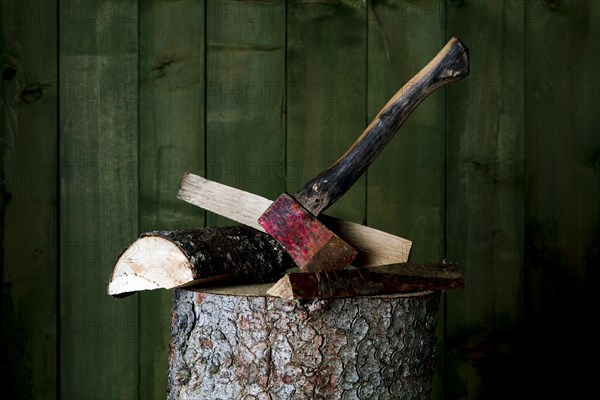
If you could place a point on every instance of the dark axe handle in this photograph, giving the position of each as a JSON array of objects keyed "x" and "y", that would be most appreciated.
[{"x": 449, "y": 65}]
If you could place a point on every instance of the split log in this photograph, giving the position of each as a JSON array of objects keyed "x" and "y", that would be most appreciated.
[
  {"x": 241, "y": 344},
  {"x": 384, "y": 279},
  {"x": 168, "y": 259}
]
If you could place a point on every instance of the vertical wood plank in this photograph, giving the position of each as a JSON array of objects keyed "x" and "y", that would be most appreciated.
[
  {"x": 171, "y": 143},
  {"x": 99, "y": 195},
  {"x": 406, "y": 184},
  {"x": 563, "y": 193},
  {"x": 29, "y": 241},
  {"x": 485, "y": 200},
  {"x": 405, "y": 191},
  {"x": 245, "y": 132},
  {"x": 326, "y": 92}
]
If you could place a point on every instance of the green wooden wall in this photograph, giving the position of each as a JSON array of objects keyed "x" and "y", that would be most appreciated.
[{"x": 105, "y": 104}]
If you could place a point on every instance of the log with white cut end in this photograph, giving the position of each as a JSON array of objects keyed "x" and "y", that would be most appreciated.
[
  {"x": 384, "y": 279},
  {"x": 168, "y": 259},
  {"x": 239, "y": 343}
]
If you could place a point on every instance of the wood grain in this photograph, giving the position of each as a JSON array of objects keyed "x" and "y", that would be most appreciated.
[
  {"x": 244, "y": 96},
  {"x": 485, "y": 200},
  {"x": 98, "y": 195},
  {"x": 405, "y": 191},
  {"x": 171, "y": 141},
  {"x": 28, "y": 207},
  {"x": 326, "y": 89},
  {"x": 562, "y": 210},
  {"x": 311, "y": 245},
  {"x": 227, "y": 201},
  {"x": 374, "y": 247}
]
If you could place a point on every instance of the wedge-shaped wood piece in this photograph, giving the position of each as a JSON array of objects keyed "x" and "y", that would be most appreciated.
[
  {"x": 385, "y": 279},
  {"x": 374, "y": 247},
  {"x": 168, "y": 259}
]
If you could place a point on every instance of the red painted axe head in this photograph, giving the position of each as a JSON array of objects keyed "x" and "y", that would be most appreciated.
[{"x": 311, "y": 245}]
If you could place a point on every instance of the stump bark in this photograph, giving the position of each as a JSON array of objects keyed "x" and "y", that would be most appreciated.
[{"x": 238, "y": 343}]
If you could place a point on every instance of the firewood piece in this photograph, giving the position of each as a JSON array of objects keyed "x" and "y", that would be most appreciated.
[
  {"x": 168, "y": 259},
  {"x": 242, "y": 346},
  {"x": 374, "y": 247},
  {"x": 385, "y": 279}
]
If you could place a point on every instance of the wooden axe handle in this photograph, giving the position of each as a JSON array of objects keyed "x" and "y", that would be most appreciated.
[{"x": 449, "y": 65}]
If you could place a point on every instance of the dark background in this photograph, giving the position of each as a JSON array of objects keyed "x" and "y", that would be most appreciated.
[{"x": 105, "y": 104}]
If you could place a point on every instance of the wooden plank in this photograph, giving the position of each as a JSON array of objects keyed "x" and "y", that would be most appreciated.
[
  {"x": 405, "y": 190},
  {"x": 485, "y": 199},
  {"x": 28, "y": 191},
  {"x": 245, "y": 127},
  {"x": 405, "y": 185},
  {"x": 171, "y": 142},
  {"x": 98, "y": 194},
  {"x": 326, "y": 89},
  {"x": 562, "y": 239}
]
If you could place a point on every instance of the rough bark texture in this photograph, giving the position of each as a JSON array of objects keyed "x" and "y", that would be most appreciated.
[
  {"x": 236, "y": 250},
  {"x": 259, "y": 347}
]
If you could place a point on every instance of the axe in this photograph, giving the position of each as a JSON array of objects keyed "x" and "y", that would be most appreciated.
[{"x": 292, "y": 221}]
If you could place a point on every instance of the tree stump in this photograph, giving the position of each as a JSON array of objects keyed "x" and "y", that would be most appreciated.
[{"x": 239, "y": 343}]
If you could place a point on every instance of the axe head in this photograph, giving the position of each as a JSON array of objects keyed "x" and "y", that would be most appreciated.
[{"x": 311, "y": 245}]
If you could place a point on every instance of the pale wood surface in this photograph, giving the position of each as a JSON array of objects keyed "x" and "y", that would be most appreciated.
[
  {"x": 229, "y": 202},
  {"x": 374, "y": 247},
  {"x": 150, "y": 263},
  {"x": 485, "y": 196}
]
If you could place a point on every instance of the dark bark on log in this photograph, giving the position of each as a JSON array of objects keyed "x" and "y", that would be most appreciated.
[
  {"x": 259, "y": 347},
  {"x": 385, "y": 279},
  {"x": 190, "y": 257},
  {"x": 231, "y": 250}
]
